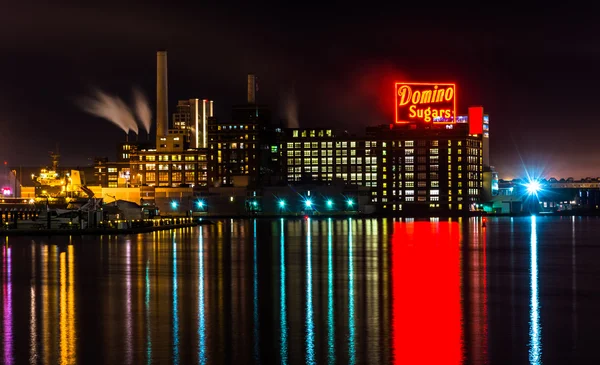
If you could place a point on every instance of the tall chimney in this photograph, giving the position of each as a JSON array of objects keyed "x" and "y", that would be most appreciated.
[
  {"x": 251, "y": 89},
  {"x": 162, "y": 96}
]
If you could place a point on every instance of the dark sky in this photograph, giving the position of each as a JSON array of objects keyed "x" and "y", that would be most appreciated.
[{"x": 536, "y": 73}]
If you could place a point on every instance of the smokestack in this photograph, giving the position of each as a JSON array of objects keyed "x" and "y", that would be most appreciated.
[
  {"x": 162, "y": 96},
  {"x": 251, "y": 89}
]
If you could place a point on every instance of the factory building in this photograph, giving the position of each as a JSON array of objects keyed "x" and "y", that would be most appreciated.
[
  {"x": 243, "y": 150},
  {"x": 406, "y": 169},
  {"x": 428, "y": 160}
]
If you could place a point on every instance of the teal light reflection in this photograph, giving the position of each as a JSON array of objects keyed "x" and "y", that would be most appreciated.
[
  {"x": 310, "y": 324},
  {"x": 175, "y": 307},
  {"x": 351, "y": 324},
  {"x": 201, "y": 314},
  {"x": 330, "y": 303},
  {"x": 282, "y": 306},
  {"x": 255, "y": 297},
  {"x": 535, "y": 330},
  {"x": 147, "y": 306}
]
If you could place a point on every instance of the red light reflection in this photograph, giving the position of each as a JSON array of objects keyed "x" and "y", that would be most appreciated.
[{"x": 426, "y": 304}]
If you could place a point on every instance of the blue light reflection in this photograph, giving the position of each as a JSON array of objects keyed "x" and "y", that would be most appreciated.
[
  {"x": 351, "y": 324},
  {"x": 330, "y": 302},
  {"x": 175, "y": 307},
  {"x": 255, "y": 296},
  {"x": 201, "y": 317},
  {"x": 282, "y": 304},
  {"x": 310, "y": 324},
  {"x": 535, "y": 330}
]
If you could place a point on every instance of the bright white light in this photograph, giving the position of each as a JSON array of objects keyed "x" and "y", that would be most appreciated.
[
  {"x": 282, "y": 203},
  {"x": 308, "y": 203},
  {"x": 533, "y": 187},
  {"x": 329, "y": 203},
  {"x": 174, "y": 205},
  {"x": 201, "y": 204}
]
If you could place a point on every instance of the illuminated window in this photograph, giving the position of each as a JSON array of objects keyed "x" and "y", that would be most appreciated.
[
  {"x": 150, "y": 166},
  {"x": 459, "y": 191},
  {"x": 409, "y": 144},
  {"x": 434, "y": 167},
  {"x": 112, "y": 169},
  {"x": 409, "y": 159},
  {"x": 435, "y": 184},
  {"x": 290, "y": 145},
  {"x": 449, "y": 151},
  {"x": 422, "y": 184},
  {"x": 410, "y": 198},
  {"x": 434, "y": 143},
  {"x": 435, "y": 198},
  {"x": 315, "y": 145},
  {"x": 409, "y": 152},
  {"x": 433, "y": 151},
  {"x": 409, "y": 192},
  {"x": 150, "y": 176},
  {"x": 409, "y": 176},
  {"x": 295, "y": 133},
  {"x": 352, "y": 144},
  {"x": 434, "y": 192},
  {"x": 409, "y": 184}
]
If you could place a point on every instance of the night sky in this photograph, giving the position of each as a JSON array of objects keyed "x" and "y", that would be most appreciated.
[{"x": 535, "y": 73}]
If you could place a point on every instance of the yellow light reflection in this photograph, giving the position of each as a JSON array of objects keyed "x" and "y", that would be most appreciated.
[
  {"x": 64, "y": 357},
  {"x": 33, "y": 352}
]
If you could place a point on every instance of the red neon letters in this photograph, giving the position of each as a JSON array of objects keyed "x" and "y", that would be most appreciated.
[{"x": 425, "y": 102}]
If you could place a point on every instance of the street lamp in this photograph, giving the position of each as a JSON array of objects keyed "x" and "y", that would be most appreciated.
[{"x": 329, "y": 203}]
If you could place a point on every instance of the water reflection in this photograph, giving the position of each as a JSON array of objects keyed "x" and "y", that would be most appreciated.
[
  {"x": 310, "y": 325},
  {"x": 7, "y": 306},
  {"x": 255, "y": 293},
  {"x": 426, "y": 293},
  {"x": 351, "y": 324},
  {"x": 330, "y": 297},
  {"x": 294, "y": 291},
  {"x": 175, "y": 305},
  {"x": 535, "y": 330},
  {"x": 282, "y": 305},
  {"x": 33, "y": 351},
  {"x": 201, "y": 309}
]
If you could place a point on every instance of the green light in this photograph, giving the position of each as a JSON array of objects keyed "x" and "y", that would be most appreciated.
[
  {"x": 350, "y": 203},
  {"x": 200, "y": 204},
  {"x": 254, "y": 204},
  {"x": 281, "y": 203},
  {"x": 329, "y": 203},
  {"x": 308, "y": 203},
  {"x": 174, "y": 204}
]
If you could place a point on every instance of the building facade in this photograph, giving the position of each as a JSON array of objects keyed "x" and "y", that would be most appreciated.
[{"x": 406, "y": 169}]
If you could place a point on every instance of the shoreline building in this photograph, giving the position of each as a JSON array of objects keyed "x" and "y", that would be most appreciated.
[{"x": 428, "y": 160}]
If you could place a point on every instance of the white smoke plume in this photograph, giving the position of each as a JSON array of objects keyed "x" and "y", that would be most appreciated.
[
  {"x": 142, "y": 109},
  {"x": 110, "y": 108},
  {"x": 290, "y": 109}
]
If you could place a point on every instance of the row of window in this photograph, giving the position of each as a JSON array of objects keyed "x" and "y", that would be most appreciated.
[{"x": 175, "y": 176}]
